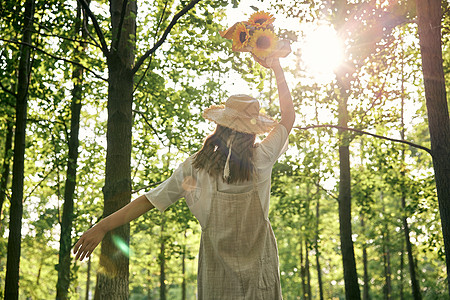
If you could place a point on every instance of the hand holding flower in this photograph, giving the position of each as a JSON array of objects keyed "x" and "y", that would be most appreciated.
[{"x": 269, "y": 62}]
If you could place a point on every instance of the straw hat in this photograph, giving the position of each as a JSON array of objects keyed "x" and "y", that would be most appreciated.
[{"x": 240, "y": 113}]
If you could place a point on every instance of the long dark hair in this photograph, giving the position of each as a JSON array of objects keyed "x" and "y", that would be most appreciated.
[{"x": 213, "y": 155}]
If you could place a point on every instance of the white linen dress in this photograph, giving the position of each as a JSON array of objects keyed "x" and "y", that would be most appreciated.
[{"x": 238, "y": 257}]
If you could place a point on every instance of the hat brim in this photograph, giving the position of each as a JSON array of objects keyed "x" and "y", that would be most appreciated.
[{"x": 259, "y": 125}]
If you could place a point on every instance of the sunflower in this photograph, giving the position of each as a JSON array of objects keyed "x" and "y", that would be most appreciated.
[
  {"x": 240, "y": 36},
  {"x": 263, "y": 42},
  {"x": 261, "y": 19}
]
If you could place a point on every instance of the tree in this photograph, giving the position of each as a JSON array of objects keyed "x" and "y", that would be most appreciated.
[
  {"x": 411, "y": 262},
  {"x": 429, "y": 15},
  {"x": 361, "y": 40},
  {"x": 6, "y": 163},
  {"x": 63, "y": 283},
  {"x": 344, "y": 198},
  {"x": 16, "y": 210},
  {"x": 113, "y": 282}
]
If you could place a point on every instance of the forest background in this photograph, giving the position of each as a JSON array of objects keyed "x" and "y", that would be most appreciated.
[{"x": 101, "y": 100}]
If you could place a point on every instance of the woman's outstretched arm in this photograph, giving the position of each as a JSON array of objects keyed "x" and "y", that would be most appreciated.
[{"x": 92, "y": 237}]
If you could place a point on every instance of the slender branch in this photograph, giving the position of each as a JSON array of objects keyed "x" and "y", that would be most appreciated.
[
  {"x": 68, "y": 39},
  {"x": 8, "y": 195},
  {"x": 445, "y": 12},
  {"x": 150, "y": 125},
  {"x": 93, "y": 43},
  {"x": 136, "y": 169},
  {"x": 40, "y": 121},
  {"x": 367, "y": 133},
  {"x": 146, "y": 187},
  {"x": 143, "y": 75},
  {"x": 98, "y": 30},
  {"x": 85, "y": 24},
  {"x": 380, "y": 91},
  {"x": 38, "y": 184},
  {"x": 5, "y": 89},
  {"x": 119, "y": 31},
  {"x": 165, "y": 34},
  {"x": 151, "y": 57},
  {"x": 378, "y": 97},
  {"x": 161, "y": 19},
  {"x": 55, "y": 57},
  {"x": 329, "y": 193}
]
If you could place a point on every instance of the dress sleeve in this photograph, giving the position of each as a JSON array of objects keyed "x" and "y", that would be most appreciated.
[
  {"x": 275, "y": 144},
  {"x": 170, "y": 191}
]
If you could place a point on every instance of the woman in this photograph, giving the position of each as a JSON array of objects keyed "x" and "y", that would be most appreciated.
[{"x": 226, "y": 186}]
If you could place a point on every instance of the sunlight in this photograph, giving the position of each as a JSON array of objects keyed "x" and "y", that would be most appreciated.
[{"x": 321, "y": 52}]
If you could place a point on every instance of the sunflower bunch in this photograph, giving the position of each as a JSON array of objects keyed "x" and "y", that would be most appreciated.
[{"x": 257, "y": 36}]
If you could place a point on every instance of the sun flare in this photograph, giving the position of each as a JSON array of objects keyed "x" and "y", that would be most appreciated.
[{"x": 322, "y": 52}]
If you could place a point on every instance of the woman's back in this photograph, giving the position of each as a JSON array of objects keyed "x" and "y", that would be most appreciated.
[{"x": 197, "y": 186}]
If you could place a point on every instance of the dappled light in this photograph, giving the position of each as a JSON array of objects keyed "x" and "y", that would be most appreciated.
[{"x": 146, "y": 147}]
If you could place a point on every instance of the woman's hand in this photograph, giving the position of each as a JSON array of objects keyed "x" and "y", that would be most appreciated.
[
  {"x": 89, "y": 241},
  {"x": 91, "y": 238},
  {"x": 269, "y": 62}
]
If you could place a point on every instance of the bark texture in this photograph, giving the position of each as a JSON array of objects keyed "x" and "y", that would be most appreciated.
[
  {"x": 16, "y": 209},
  {"x": 6, "y": 165},
  {"x": 429, "y": 13},
  {"x": 63, "y": 283},
  {"x": 113, "y": 276},
  {"x": 352, "y": 291}
]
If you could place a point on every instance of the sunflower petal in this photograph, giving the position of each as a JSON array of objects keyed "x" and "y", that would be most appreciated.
[
  {"x": 261, "y": 19},
  {"x": 241, "y": 36}
]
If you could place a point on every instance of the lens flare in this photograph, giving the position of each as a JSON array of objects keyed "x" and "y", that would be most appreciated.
[{"x": 121, "y": 245}]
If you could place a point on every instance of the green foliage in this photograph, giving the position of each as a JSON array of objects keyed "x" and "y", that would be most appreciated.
[{"x": 173, "y": 86}]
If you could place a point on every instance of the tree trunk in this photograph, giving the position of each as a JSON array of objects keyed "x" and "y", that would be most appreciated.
[
  {"x": 402, "y": 266},
  {"x": 16, "y": 209},
  {"x": 412, "y": 265},
  {"x": 316, "y": 246},
  {"x": 38, "y": 276},
  {"x": 6, "y": 164},
  {"x": 345, "y": 226},
  {"x": 183, "y": 269},
  {"x": 415, "y": 286},
  {"x": 308, "y": 272},
  {"x": 162, "y": 263},
  {"x": 317, "y": 237},
  {"x": 113, "y": 279},
  {"x": 302, "y": 271},
  {"x": 149, "y": 288},
  {"x": 63, "y": 283},
  {"x": 429, "y": 14},
  {"x": 88, "y": 278},
  {"x": 386, "y": 255},
  {"x": 365, "y": 262}
]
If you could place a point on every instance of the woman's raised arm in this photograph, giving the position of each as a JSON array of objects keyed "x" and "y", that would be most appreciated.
[{"x": 286, "y": 105}]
